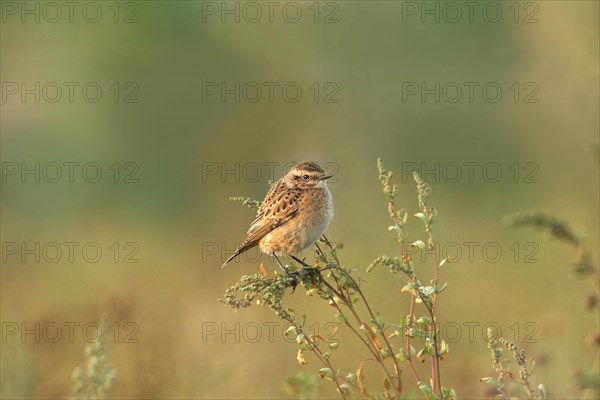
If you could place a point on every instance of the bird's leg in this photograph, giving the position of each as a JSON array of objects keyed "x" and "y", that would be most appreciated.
[
  {"x": 321, "y": 251},
  {"x": 309, "y": 269},
  {"x": 301, "y": 262},
  {"x": 281, "y": 265},
  {"x": 291, "y": 276}
]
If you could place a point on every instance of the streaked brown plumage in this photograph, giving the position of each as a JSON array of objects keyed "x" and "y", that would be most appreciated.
[{"x": 294, "y": 214}]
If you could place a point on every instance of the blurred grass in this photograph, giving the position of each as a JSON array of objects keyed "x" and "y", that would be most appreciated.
[{"x": 172, "y": 291}]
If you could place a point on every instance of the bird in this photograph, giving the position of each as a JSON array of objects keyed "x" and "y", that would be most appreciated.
[{"x": 293, "y": 215}]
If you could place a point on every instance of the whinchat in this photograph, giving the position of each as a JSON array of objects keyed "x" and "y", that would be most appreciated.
[{"x": 294, "y": 214}]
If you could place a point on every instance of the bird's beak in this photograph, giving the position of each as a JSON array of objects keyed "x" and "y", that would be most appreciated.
[{"x": 326, "y": 176}]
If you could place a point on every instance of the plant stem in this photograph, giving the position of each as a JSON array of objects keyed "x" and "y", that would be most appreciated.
[
  {"x": 315, "y": 349},
  {"x": 370, "y": 344},
  {"x": 435, "y": 361},
  {"x": 348, "y": 302},
  {"x": 408, "y": 350}
]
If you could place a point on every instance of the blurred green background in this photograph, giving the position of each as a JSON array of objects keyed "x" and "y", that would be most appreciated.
[{"x": 181, "y": 225}]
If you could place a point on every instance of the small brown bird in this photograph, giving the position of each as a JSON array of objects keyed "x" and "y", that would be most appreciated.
[{"x": 294, "y": 214}]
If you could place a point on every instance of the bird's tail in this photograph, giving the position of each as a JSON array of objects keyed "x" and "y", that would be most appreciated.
[{"x": 240, "y": 250}]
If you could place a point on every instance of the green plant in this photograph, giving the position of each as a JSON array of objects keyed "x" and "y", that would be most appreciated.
[
  {"x": 581, "y": 267},
  {"x": 98, "y": 377},
  {"x": 425, "y": 326},
  {"x": 340, "y": 289},
  {"x": 502, "y": 368}
]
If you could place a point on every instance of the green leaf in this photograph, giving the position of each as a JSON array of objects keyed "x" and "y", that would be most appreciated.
[
  {"x": 378, "y": 321},
  {"x": 395, "y": 228},
  {"x": 402, "y": 355},
  {"x": 387, "y": 194},
  {"x": 326, "y": 373},
  {"x": 427, "y": 290},
  {"x": 448, "y": 394},
  {"x": 423, "y": 218},
  {"x": 490, "y": 380},
  {"x": 440, "y": 290},
  {"x": 444, "y": 349},
  {"x": 345, "y": 390},
  {"x": 403, "y": 215},
  {"x": 416, "y": 332},
  {"x": 351, "y": 377},
  {"x": 419, "y": 244},
  {"x": 425, "y": 389},
  {"x": 363, "y": 328},
  {"x": 340, "y": 318},
  {"x": 291, "y": 312},
  {"x": 385, "y": 353},
  {"x": 543, "y": 391},
  {"x": 291, "y": 329}
]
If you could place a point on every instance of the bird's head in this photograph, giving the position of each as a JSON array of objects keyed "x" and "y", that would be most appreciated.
[{"x": 306, "y": 175}]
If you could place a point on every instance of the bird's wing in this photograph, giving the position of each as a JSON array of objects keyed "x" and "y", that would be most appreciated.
[{"x": 279, "y": 206}]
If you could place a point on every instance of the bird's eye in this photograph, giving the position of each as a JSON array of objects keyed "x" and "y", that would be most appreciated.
[{"x": 305, "y": 177}]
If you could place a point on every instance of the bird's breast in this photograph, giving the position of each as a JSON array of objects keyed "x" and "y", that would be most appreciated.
[{"x": 314, "y": 215}]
